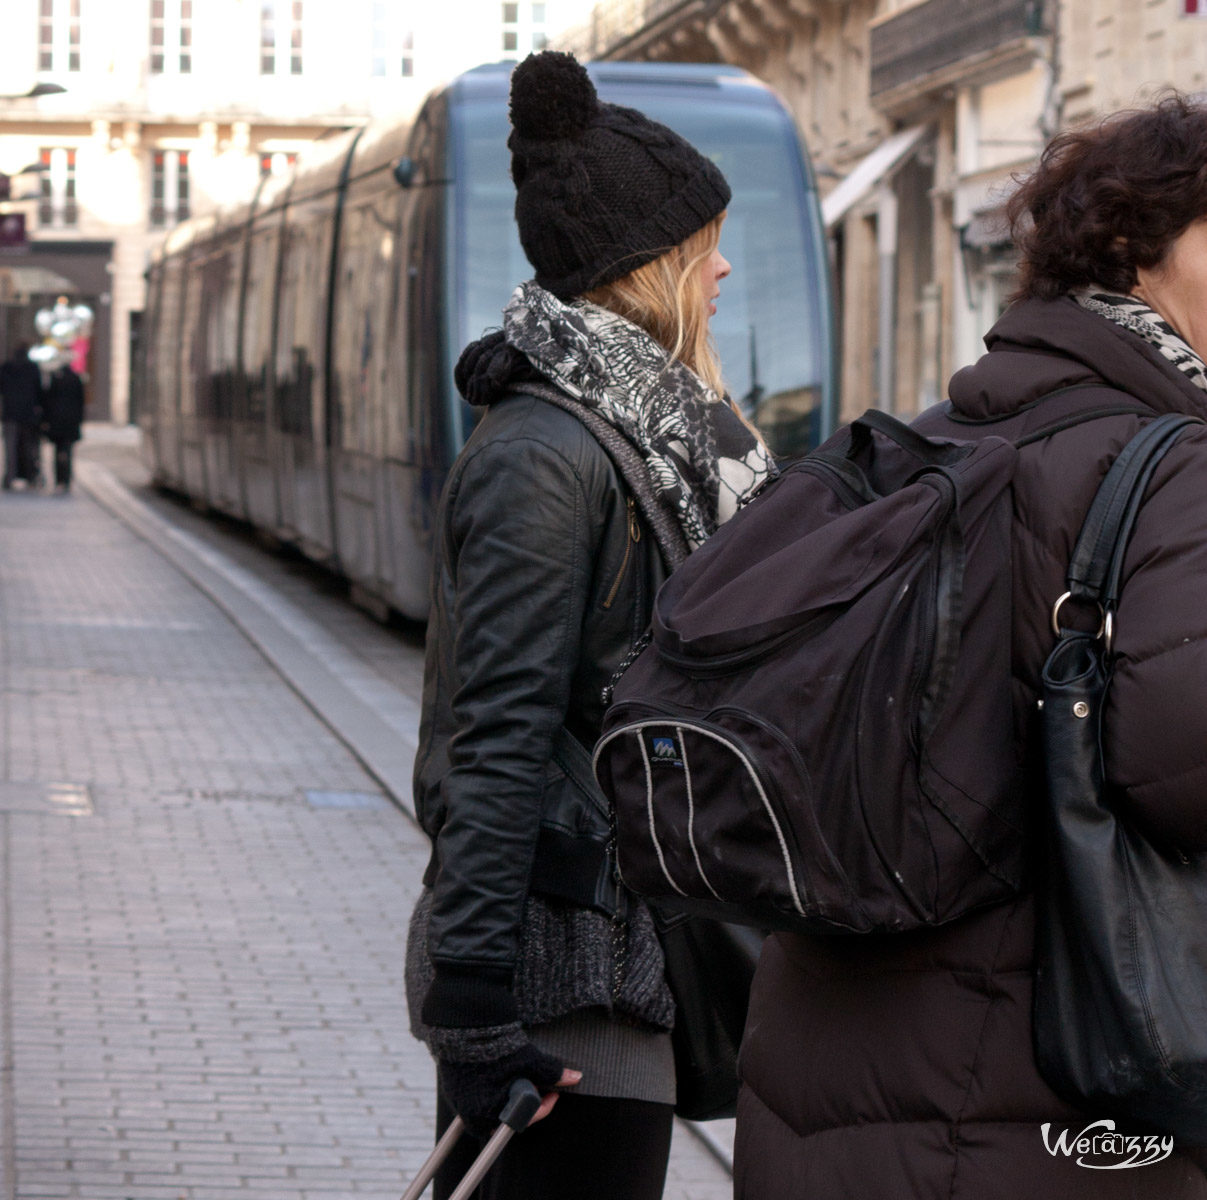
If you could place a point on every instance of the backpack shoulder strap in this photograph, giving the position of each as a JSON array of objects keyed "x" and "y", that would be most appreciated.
[
  {"x": 1079, "y": 404},
  {"x": 1063, "y": 409},
  {"x": 628, "y": 462}
]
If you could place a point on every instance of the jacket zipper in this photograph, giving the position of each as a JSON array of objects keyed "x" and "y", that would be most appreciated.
[{"x": 634, "y": 532}]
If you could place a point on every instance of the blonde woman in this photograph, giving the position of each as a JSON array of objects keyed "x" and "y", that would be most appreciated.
[{"x": 524, "y": 959}]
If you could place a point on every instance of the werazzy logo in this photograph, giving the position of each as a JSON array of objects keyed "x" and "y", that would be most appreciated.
[{"x": 1099, "y": 1140}]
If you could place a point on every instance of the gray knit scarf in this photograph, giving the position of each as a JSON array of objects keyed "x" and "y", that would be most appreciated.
[
  {"x": 702, "y": 459},
  {"x": 1135, "y": 315}
]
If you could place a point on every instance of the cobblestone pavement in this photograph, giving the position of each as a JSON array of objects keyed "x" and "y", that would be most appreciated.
[{"x": 204, "y": 891}]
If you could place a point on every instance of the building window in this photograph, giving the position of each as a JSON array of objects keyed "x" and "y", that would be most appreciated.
[
  {"x": 59, "y": 35},
  {"x": 169, "y": 187},
  {"x": 393, "y": 42},
  {"x": 57, "y": 207},
  {"x": 281, "y": 37},
  {"x": 277, "y": 162},
  {"x": 171, "y": 37},
  {"x": 524, "y": 26}
]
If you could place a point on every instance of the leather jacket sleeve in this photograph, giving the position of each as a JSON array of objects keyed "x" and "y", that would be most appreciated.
[{"x": 519, "y": 535}]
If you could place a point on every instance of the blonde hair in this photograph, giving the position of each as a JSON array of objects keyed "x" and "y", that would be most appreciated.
[{"x": 664, "y": 297}]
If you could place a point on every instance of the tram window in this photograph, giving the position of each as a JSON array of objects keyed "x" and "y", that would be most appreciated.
[{"x": 768, "y": 328}]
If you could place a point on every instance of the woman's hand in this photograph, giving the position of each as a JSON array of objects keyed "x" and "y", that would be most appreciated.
[
  {"x": 478, "y": 1089},
  {"x": 569, "y": 1078}
]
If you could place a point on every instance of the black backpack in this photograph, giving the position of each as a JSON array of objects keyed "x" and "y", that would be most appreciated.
[{"x": 819, "y": 736}]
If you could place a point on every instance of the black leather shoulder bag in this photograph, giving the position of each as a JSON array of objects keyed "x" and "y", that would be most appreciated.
[{"x": 1121, "y": 967}]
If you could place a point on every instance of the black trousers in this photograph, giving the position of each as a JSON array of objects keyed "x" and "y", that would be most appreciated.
[
  {"x": 62, "y": 463},
  {"x": 21, "y": 444},
  {"x": 588, "y": 1148}
]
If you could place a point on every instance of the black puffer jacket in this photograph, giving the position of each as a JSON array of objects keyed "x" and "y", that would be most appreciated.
[
  {"x": 902, "y": 1065},
  {"x": 544, "y": 576},
  {"x": 63, "y": 407},
  {"x": 20, "y": 391}
]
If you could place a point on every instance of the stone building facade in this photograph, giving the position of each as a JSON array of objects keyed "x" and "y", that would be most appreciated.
[
  {"x": 169, "y": 108},
  {"x": 918, "y": 113}
]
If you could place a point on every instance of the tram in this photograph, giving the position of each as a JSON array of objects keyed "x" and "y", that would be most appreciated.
[{"x": 299, "y": 347}]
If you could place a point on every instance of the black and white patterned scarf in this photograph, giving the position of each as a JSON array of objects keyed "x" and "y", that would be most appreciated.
[
  {"x": 702, "y": 459},
  {"x": 1135, "y": 315}
]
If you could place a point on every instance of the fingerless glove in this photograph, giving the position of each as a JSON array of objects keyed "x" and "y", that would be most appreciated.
[
  {"x": 477, "y": 1091},
  {"x": 480, "y": 1047}
]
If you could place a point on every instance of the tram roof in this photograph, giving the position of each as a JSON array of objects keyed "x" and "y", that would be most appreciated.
[{"x": 492, "y": 79}]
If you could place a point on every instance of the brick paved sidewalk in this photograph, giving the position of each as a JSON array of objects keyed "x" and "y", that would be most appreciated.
[{"x": 204, "y": 901}]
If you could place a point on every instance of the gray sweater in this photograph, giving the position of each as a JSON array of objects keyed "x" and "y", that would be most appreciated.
[{"x": 591, "y": 992}]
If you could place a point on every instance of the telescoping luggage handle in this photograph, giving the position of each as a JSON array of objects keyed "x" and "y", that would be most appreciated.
[{"x": 522, "y": 1103}]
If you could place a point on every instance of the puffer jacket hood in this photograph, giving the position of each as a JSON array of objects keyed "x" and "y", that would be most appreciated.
[
  {"x": 902, "y": 1065},
  {"x": 1041, "y": 346}
]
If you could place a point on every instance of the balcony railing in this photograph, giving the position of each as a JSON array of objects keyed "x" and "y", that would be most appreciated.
[
  {"x": 616, "y": 21},
  {"x": 928, "y": 38}
]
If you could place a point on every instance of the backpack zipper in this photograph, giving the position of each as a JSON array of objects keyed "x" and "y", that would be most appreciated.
[
  {"x": 840, "y": 478},
  {"x": 634, "y": 536},
  {"x": 719, "y": 664}
]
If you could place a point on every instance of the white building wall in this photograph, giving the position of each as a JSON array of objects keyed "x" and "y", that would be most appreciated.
[{"x": 116, "y": 113}]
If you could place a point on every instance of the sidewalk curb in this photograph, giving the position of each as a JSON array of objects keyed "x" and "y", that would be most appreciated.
[{"x": 284, "y": 635}]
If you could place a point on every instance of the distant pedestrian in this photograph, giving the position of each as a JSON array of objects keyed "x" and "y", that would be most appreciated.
[
  {"x": 62, "y": 416},
  {"x": 902, "y": 1065},
  {"x": 21, "y": 410},
  {"x": 525, "y": 960}
]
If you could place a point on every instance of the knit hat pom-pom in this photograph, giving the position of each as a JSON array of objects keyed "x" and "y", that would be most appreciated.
[{"x": 552, "y": 97}]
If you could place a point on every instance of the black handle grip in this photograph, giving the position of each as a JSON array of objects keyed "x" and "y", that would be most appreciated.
[{"x": 522, "y": 1102}]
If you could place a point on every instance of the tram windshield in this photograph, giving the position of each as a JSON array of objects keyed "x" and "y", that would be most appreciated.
[{"x": 772, "y": 326}]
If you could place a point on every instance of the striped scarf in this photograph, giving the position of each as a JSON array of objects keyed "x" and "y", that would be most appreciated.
[{"x": 1135, "y": 315}]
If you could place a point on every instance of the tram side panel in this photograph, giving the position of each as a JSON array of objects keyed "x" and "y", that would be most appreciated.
[
  {"x": 194, "y": 352},
  {"x": 144, "y": 379},
  {"x": 217, "y": 389},
  {"x": 423, "y": 427},
  {"x": 299, "y": 416},
  {"x": 255, "y": 428},
  {"x": 365, "y": 297},
  {"x": 158, "y": 409}
]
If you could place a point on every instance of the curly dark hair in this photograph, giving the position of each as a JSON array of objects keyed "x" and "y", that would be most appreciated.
[{"x": 1108, "y": 199}]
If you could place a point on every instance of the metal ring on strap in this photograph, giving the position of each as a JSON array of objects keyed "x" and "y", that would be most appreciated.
[{"x": 1105, "y": 626}]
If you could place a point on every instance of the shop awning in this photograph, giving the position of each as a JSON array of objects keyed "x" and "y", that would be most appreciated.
[
  {"x": 19, "y": 284},
  {"x": 869, "y": 172}
]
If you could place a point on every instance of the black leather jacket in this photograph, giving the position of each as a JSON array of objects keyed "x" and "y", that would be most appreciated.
[{"x": 543, "y": 578}]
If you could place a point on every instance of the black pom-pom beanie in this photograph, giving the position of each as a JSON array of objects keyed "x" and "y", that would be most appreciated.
[{"x": 600, "y": 189}]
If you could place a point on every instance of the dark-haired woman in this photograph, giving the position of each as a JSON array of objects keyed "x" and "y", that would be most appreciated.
[
  {"x": 522, "y": 961},
  {"x": 902, "y": 1066}
]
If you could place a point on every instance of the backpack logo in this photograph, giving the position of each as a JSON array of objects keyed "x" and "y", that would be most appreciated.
[{"x": 665, "y": 751}]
